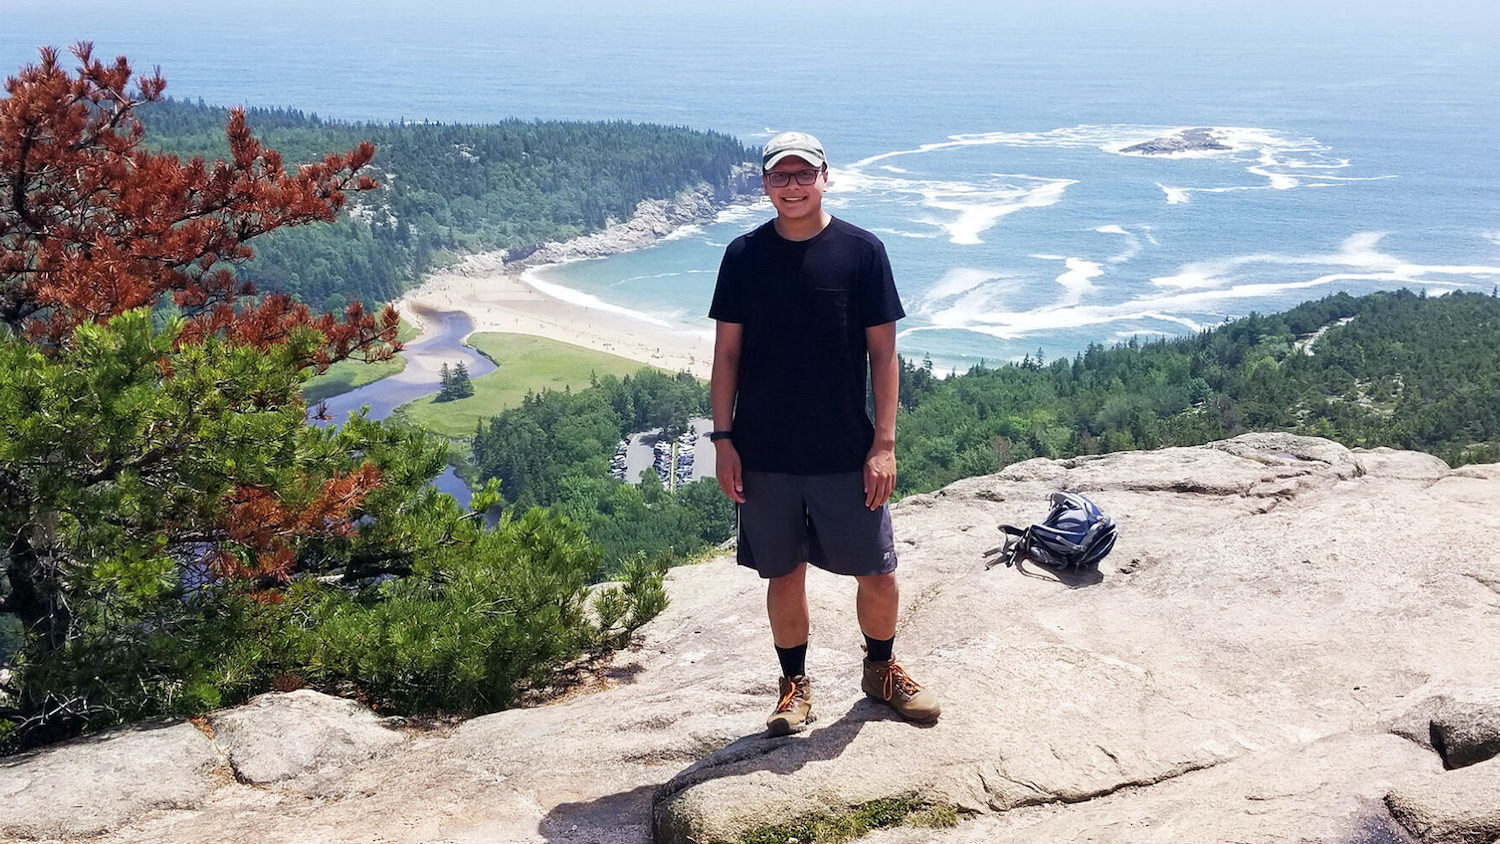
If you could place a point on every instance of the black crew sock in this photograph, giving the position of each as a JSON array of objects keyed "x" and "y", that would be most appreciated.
[
  {"x": 879, "y": 650},
  {"x": 793, "y": 660}
]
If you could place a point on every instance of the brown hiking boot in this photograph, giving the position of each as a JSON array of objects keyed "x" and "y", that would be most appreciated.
[
  {"x": 889, "y": 683},
  {"x": 794, "y": 709}
]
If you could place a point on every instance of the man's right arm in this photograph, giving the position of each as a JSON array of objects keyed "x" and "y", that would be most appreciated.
[{"x": 723, "y": 387}]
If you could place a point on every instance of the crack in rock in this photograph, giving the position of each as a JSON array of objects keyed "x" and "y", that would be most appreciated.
[
  {"x": 1490, "y": 583},
  {"x": 1071, "y": 799}
]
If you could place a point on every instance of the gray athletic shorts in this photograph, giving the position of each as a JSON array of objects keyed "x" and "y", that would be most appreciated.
[{"x": 821, "y": 519}]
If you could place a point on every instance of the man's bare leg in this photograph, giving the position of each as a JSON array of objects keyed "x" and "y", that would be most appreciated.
[
  {"x": 786, "y": 604},
  {"x": 877, "y": 604}
]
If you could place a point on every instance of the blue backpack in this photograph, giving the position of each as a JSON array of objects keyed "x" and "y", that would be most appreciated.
[{"x": 1075, "y": 535}]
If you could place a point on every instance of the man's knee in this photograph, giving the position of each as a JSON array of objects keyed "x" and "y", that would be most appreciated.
[
  {"x": 878, "y": 583},
  {"x": 790, "y": 582}
]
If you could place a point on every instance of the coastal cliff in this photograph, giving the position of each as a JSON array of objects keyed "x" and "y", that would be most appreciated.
[
  {"x": 1292, "y": 641},
  {"x": 652, "y": 220}
]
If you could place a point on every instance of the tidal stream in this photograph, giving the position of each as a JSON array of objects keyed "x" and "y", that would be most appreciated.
[{"x": 441, "y": 342}]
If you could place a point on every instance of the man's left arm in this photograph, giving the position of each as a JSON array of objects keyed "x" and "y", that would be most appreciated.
[{"x": 885, "y": 383}]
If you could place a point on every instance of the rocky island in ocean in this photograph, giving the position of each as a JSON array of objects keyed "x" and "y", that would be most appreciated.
[{"x": 1188, "y": 140}]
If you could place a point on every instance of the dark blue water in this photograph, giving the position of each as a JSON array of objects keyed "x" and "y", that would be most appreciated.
[{"x": 982, "y": 141}]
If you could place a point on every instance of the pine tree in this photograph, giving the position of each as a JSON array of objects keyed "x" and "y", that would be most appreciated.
[
  {"x": 130, "y": 448},
  {"x": 462, "y": 386},
  {"x": 93, "y": 225}
]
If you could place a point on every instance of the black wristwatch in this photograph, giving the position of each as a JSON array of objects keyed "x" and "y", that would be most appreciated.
[{"x": 715, "y": 436}]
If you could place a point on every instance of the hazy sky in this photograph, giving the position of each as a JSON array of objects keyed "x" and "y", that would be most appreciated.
[{"x": 1355, "y": 13}]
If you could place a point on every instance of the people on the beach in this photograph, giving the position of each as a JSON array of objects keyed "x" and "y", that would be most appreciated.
[{"x": 806, "y": 309}]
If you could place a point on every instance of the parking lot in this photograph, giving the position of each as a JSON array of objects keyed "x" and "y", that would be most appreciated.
[{"x": 644, "y": 452}]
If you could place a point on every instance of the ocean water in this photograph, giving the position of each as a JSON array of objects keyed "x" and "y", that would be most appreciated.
[{"x": 985, "y": 145}]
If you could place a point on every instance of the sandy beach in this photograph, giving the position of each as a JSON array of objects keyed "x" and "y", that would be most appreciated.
[{"x": 501, "y": 297}]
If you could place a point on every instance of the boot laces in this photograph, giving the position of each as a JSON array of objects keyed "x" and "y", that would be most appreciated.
[
  {"x": 896, "y": 677},
  {"x": 789, "y": 697}
]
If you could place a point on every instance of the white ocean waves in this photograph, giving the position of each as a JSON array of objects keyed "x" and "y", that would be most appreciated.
[
  {"x": 585, "y": 300},
  {"x": 1077, "y": 281},
  {"x": 1190, "y": 324},
  {"x": 1277, "y": 160},
  {"x": 1197, "y": 293},
  {"x": 1276, "y": 181},
  {"x": 681, "y": 232},
  {"x": 1358, "y": 254},
  {"x": 1114, "y": 139},
  {"x": 741, "y": 212},
  {"x": 1208, "y": 274},
  {"x": 961, "y": 292},
  {"x": 1109, "y": 138},
  {"x": 955, "y": 282},
  {"x": 962, "y": 209},
  {"x": 1132, "y": 243},
  {"x": 908, "y": 234},
  {"x": 961, "y": 310},
  {"x": 657, "y": 276},
  {"x": 977, "y": 208},
  {"x": 1492, "y": 237}
]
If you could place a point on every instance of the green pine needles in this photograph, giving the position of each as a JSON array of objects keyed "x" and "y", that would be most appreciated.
[{"x": 137, "y": 476}]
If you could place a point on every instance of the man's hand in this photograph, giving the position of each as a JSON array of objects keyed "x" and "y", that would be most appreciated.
[
  {"x": 727, "y": 470},
  {"x": 880, "y": 476}
]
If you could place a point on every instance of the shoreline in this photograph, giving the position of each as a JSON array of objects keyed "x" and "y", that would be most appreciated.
[{"x": 501, "y": 295}]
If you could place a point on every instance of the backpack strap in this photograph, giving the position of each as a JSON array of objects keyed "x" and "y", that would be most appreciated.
[{"x": 1017, "y": 545}]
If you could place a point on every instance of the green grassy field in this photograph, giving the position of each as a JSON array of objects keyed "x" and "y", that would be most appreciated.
[
  {"x": 348, "y": 374},
  {"x": 525, "y": 364}
]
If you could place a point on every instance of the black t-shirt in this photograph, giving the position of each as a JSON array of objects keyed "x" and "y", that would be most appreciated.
[{"x": 804, "y": 365}]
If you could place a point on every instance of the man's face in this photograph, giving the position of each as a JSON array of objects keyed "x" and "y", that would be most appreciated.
[{"x": 796, "y": 201}]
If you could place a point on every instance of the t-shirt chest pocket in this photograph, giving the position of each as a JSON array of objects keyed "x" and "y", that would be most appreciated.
[{"x": 828, "y": 308}]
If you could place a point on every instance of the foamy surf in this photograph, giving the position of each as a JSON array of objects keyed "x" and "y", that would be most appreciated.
[
  {"x": 1132, "y": 243},
  {"x": 1077, "y": 282},
  {"x": 586, "y": 300},
  {"x": 965, "y": 209},
  {"x": 1283, "y": 161},
  {"x": 1184, "y": 309}
]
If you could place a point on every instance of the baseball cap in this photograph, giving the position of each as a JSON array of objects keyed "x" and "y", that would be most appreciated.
[{"x": 800, "y": 144}]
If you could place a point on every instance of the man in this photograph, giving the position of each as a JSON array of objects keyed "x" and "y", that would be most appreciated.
[{"x": 802, "y": 304}]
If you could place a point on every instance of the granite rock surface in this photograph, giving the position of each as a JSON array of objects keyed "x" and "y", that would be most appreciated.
[{"x": 1291, "y": 641}]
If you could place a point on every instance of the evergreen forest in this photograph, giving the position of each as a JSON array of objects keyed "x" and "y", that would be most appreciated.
[
  {"x": 553, "y": 451},
  {"x": 1396, "y": 369},
  {"x": 449, "y": 189}
]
